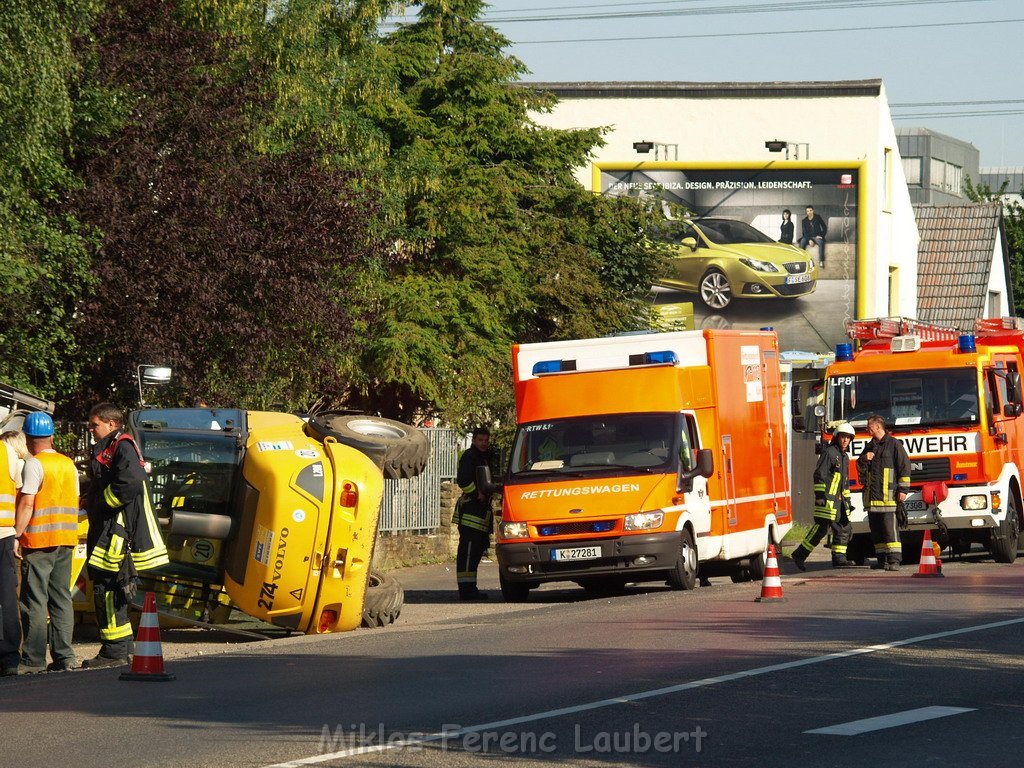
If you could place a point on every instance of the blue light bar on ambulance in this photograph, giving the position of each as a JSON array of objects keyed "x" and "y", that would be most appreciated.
[
  {"x": 553, "y": 366},
  {"x": 844, "y": 353},
  {"x": 966, "y": 343},
  {"x": 655, "y": 358}
]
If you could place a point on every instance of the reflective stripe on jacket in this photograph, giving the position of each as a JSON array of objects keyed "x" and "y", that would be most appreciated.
[
  {"x": 54, "y": 521},
  {"x": 8, "y": 490},
  {"x": 885, "y": 476},
  {"x": 119, "y": 504},
  {"x": 831, "y": 485}
]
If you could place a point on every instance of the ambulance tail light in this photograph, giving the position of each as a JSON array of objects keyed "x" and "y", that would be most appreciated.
[
  {"x": 349, "y": 495},
  {"x": 966, "y": 343},
  {"x": 905, "y": 344},
  {"x": 844, "y": 353}
]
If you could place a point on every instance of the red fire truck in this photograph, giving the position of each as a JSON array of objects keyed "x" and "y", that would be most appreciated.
[{"x": 954, "y": 399}]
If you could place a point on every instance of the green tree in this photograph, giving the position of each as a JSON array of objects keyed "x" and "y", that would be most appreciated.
[
  {"x": 496, "y": 242},
  {"x": 46, "y": 105},
  {"x": 1013, "y": 224},
  {"x": 218, "y": 259}
]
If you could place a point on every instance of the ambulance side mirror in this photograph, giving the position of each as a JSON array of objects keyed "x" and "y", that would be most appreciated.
[
  {"x": 705, "y": 468},
  {"x": 484, "y": 483}
]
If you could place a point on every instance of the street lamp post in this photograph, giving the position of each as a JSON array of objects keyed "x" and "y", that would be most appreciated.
[{"x": 152, "y": 375}]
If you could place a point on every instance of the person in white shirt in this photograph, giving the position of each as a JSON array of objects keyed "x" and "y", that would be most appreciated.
[{"x": 13, "y": 456}]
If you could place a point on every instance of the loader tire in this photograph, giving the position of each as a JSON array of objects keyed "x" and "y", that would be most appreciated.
[
  {"x": 398, "y": 449},
  {"x": 383, "y": 601}
]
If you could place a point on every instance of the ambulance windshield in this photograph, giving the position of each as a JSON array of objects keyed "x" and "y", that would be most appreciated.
[
  {"x": 625, "y": 443},
  {"x": 943, "y": 397}
]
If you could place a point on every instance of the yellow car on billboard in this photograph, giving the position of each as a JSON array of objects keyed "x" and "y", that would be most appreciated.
[{"x": 724, "y": 259}]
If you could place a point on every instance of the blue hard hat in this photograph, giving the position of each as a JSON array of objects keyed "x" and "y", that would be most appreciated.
[{"x": 38, "y": 424}]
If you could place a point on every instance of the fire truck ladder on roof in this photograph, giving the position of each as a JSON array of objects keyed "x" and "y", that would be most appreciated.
[{"x": 891, "y": 327}]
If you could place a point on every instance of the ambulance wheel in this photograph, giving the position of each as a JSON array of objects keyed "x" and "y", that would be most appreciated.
[
  {"x": 715, "y": 291},
  {"x": 398, "y": 449},
  {"x": 383, "y": 601},
  {"x": 740, "y": 575},
  {"x": 1004, "y": 549},
  {"x": 759, "y": 562},
  {"x": 514, "y": 591},
  {"x": 684, "y": 573}
]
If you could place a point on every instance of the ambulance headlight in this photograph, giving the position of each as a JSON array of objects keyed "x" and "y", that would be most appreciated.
[
  {"x": 514, "y": 531},
  {"x": 974, "y": 501},
  {"x": 643, "y": 521}
]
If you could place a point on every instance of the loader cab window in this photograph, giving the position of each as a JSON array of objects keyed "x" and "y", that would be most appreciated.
[{"x": 610, "y": 444}]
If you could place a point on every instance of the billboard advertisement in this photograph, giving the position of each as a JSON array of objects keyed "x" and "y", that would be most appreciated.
[{"x": 754, "y": 246}]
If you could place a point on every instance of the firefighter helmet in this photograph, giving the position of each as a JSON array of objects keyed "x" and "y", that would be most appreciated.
[
  {"x": 38, "y": 424},
  {"x": 844, "y": 429}
]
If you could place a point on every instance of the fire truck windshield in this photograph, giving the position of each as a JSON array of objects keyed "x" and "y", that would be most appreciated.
[
  {"x": 942, "y": 397},
  {"x": 615, "y": 444}
]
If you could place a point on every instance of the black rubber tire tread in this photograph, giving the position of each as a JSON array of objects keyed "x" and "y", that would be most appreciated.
[
  {"x": 1004, "y": 548},
  {"x": 681, "y": 576},
  {"x": 383, "y": 602},
  {"x": 759, "y": 563},
  {"x": 403, "y": 455},
  {"x": 514, "y": 591}
]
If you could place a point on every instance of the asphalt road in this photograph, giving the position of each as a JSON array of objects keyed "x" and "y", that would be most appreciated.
[{"x": 651, "y": 677}]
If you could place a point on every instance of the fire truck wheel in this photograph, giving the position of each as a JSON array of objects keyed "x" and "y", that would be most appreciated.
[
  {"x": 514, "y": 591},
  {"x": 684, "y": 573},
  {"x": 1004, "y": 548},
  {"x": 383, "y": 601},
  {"x": 398, "y": 449}
]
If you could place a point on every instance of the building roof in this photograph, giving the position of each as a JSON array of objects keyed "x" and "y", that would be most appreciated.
[
  {"x": 955, "y": 261},
  {"x": 692, "y": 90}
]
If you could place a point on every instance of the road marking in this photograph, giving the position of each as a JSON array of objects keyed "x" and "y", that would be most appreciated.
[
  {"x": 890, "y": 721},
  {"x": 553, "y": 713}
]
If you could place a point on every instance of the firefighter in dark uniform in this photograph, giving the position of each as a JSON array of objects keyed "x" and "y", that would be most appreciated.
[
  {"x": 120, "y": 519},
  {"x": 884, "y": 469},
  {"x": 473, "y": 516},
  {"x": 831, "y": 501}
]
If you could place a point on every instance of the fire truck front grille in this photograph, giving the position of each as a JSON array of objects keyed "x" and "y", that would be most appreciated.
[
  {"x": 568, "y": 529},
  {"x": 925, "y": 470}
]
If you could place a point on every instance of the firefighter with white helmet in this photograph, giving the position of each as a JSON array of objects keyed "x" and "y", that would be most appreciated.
[{"x": 831, "y": 500}]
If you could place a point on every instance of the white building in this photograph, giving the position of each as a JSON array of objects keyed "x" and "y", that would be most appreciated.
[{"x": 727, "y": 125}]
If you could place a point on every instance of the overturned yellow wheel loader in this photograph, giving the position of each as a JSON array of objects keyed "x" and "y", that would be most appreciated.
[{"x": 272, "y": 513}]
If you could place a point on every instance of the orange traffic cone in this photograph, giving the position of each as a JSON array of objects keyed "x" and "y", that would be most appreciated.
[
  {"x": 929, "y": 565},
  {"x": 771, "y": 584},
  {"x": 148, "y": 661}
]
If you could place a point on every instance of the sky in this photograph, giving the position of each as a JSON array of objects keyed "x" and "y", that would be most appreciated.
[{"x": 952, "y": 66}]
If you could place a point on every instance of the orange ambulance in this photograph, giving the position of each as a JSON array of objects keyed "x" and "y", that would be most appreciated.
[{"x": 644, "y": 457}]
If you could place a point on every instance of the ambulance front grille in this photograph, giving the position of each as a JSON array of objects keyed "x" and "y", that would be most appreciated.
[{"x": 569, "y": 529}]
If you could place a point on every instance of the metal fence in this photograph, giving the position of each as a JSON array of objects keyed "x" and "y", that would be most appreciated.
[{"x": 414, "y": 504}]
